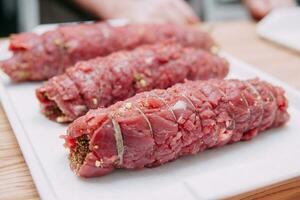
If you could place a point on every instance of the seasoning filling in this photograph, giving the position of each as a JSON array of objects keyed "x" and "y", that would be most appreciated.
[{"x": 79, "y": 152}]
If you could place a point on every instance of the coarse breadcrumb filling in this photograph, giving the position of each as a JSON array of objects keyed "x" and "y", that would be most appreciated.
[
  {"x": 51, "y": 109},
  {"x": 79, "y": 152}
]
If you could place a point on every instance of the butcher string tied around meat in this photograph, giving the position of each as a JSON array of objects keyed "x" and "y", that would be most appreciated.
[
  {"x": 189, "y": 100},
  {"x": 231, "y": 114},
  {"x": 167, "y": 105},
  {"x": 146, "y": 119},
  {"x": 118, "y": 133},
  {"x": 258, "y": 97},
  {"x": 246, "y": 102},
  {"x": 119, "y": 138},
  {"x": 271, "y": 98}
]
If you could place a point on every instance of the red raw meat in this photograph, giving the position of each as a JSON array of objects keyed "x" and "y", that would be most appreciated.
[
  {"x": 104, "y": 80},
  {"x": 159, "y": 126},
  {"x": 39, "y": 57}
]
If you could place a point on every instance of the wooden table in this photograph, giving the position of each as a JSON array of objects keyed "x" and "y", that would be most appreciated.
[{"x": 238, "y": 38}]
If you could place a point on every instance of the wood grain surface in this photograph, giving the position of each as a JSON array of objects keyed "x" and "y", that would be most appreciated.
[{"x": 238, "y": 38}]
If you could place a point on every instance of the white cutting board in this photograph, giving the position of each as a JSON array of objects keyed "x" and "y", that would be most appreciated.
[
  {"x": 269, "y": 158},
  {"x": 282, "y": 26}
]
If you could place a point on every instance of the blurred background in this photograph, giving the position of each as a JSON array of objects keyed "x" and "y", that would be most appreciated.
[{"x": 23, "y": 15}]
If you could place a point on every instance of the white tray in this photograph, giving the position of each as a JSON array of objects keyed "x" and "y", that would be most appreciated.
[
  {"x": 271, "y": 157},
  {"x": 282, "y": 26}
]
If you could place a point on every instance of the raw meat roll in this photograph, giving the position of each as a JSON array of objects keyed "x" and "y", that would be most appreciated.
[
  {"x": 39, "y": 57},
  {"x": 159, "y": 126},
  {"x": 102, "y": 81}
]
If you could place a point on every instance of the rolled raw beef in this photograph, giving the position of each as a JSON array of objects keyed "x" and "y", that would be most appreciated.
[
  {"x": 39, "y": 57},
  {"x": 102, "y": 81},
  {"x": 159, "y": 126}
]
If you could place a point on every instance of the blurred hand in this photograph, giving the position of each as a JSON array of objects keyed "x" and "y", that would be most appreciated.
[
  {"x": 143, "y": 11},
  {"x": 260, "y": 8}
]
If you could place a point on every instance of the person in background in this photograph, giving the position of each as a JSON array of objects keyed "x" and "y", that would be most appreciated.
[
  {"x": 177, "y": 11},
  {"x": 260, "y": 8},
  {"x": 143, "y": 11},
  {"x": 21, "y": 15}
]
